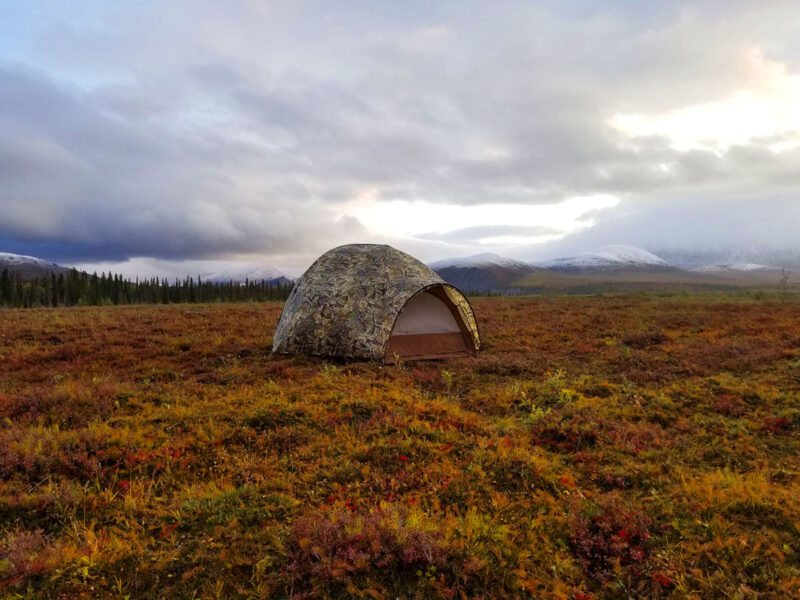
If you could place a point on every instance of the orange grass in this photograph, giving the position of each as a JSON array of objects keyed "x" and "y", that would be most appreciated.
[{"x": 598, "y": 447}]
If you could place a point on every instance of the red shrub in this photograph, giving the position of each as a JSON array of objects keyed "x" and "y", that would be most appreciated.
[
  {"x": 568, "y": 435},
  {"x": 730, "y": 405},
  {"x": 69, "y": 407},
  {"x": 26, "y": 555},
  {"x": 778, "y": 425},
  {"x": 330, "y": 548},
  {"x": 645, "y": 339},
  {"x": 608, "y": 536},
  {"x": 426, "y": 376}
]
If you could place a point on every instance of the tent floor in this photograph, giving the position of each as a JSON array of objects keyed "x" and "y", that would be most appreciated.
[{"x": 426, "y": 345}]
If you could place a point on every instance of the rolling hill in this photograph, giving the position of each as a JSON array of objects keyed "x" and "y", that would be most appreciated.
[
  {"x": 483, "y": 273},
  {"x": 29, "y": 266}
]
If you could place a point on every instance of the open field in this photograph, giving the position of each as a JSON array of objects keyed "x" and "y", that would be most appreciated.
[
  {"x": 599, "y": 447},
  {"x": 667, "y": 281}
]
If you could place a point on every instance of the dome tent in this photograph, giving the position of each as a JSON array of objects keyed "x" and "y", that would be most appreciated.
[{"x": 375, "y": 302}]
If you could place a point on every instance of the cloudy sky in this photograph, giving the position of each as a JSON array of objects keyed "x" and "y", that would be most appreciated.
[{"x": 157, "y": 136}]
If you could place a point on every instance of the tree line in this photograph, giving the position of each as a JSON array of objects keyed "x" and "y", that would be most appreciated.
[{"x": 78, "y": 288}]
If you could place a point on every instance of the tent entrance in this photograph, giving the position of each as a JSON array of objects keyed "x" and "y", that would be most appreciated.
[{"x": 428, "y": 326}]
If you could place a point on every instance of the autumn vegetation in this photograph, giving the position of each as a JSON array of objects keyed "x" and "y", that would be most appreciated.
[{"x": 627, "y": 446}]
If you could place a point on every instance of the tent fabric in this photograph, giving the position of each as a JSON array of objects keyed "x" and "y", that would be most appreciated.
[
  {"x": 425, "y": 313},
  {"x": 465, "y": 311},
  {"x": 347, "y": 302}
]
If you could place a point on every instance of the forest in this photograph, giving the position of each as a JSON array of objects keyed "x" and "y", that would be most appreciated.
[{"x": 78, "y": 288}]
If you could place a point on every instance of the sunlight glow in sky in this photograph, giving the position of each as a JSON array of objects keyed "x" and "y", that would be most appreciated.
[
  {"x": 412, "y": 218},
  {"x": 769, "y": 109}
]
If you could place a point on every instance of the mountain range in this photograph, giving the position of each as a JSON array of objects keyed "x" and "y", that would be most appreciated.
[
  {"x": 610, "y": 267},
  {"x": 705, "y": 256}
]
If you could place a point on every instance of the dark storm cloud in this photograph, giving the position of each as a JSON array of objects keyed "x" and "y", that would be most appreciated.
[
  {"x": 79, "y": 182},
  {"x": 196, "y": 130}
]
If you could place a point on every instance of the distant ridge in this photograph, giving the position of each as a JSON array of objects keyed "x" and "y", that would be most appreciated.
[
  {"x": 615, "y": 268},
  {"x": 490, "y": 272},
  {"x": 29, "y": 266},
  {"x": 608, "y": 258},
  {"x": 477, "y": 260},
  {"x": 250, "y": 272},
  {"x": 482, "y": 273},
  {"x": 738, "y": 267},
  {"x": 691, "y": 258}
]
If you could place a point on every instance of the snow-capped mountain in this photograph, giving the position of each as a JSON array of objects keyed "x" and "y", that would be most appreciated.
[
  {"x": 739, "y": 267},
  {"x": 250, "y": 272},
  {"x": 29, "y": 266},
  {"x": 486, "y": 272},
  {"x": 689, "y": 258},
  {"x": 477, "y": 260},
  {"x": 607, "y": 258}
]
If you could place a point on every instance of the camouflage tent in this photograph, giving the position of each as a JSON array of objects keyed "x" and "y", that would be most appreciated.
[{"x": 375, "y": 302}]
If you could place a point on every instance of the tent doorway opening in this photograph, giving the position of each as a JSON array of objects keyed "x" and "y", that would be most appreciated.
[{"x": 429, "y": 326}]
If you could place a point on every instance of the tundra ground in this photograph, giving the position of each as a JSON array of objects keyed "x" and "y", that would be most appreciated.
[{"x": 598, "y": 447}]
